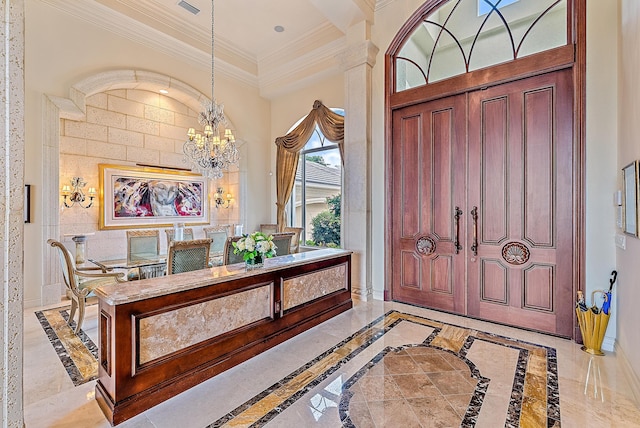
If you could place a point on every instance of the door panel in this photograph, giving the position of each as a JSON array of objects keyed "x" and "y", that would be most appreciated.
[
  {"x": 429, "y": 157},
  {"x": 520, "y": 156},
  {"x": 493, "y": 286},
  {"x": 493, "y": 228}
]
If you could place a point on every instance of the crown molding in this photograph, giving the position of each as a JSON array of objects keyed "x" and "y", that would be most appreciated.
[
  {"x": 174, "y": 24},
  {"x": 129, "y": 28},
  {"x": 284, "y": 75},
  {"x": 314, "y": 39},
  {"x": 310, "y": 57},
  {"x": 371, "y": 4},
  {"x": 382, "y": 4}
]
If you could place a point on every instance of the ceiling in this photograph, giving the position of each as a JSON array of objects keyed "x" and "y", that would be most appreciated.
[{"x": 246, "y": 45}]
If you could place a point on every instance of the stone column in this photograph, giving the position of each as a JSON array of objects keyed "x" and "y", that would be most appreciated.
[
  {"x": 357, "y": 61},
  {"x": 11, "y": 209}
]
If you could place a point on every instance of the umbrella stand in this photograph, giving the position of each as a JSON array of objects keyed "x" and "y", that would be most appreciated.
[{"x": 593, "y": 325}]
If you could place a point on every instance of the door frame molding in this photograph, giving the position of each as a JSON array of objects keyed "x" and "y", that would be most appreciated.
[{"x": 571, "y": 55}]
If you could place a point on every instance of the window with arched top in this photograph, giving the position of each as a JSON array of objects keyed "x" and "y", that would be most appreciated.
[
  {"x": 316, "y": 197},
  {"x": 466, "y": 35}
]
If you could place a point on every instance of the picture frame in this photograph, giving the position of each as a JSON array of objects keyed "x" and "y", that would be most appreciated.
[
  {"x": 630, "y": 202},
  {"x": 138, "y": 197}
]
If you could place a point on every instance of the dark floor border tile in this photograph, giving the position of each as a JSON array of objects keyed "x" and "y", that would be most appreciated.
[{"x": 61, "y": 350}]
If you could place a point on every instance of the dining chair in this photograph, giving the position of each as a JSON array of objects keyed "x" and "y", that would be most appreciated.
[
  {"x": 188, "y": 235},
  {"x": 268, "y": 228},
  {"x": 81, "y": 282},
  {"x": 283, "y": 242},
  {"x": 218, "y": 235},
  {"x": 142, "y": 245},
  {"x": 185, "y": 256},
  {"x": 219, "y": 227},
  {"x": 229, "y": 257},
  {"x": 295, "y": 240}
]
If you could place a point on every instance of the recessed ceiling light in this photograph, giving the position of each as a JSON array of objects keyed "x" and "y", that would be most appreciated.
[
  {"x": 163, "y": 91},
  {"x": 278, "y": 28}
]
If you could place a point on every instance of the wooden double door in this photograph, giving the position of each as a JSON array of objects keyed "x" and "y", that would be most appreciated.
[{"x": 482, "y": 212}]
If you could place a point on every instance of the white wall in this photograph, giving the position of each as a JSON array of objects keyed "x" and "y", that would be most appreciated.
[
  {"x": 601, "y": 167},
  {"x": 628, "y": 291},
  {"x": 61, "y": 50}
]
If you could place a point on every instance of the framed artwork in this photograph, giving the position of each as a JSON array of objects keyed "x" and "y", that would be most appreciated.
[
  {"x": 133, "y": 197},
  {"x": 630, "y": 178}
]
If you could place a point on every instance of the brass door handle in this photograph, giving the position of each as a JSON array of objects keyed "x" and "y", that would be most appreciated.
[
  {"x": 456, "y": 218},
  {"x": 474, "y": 245}
]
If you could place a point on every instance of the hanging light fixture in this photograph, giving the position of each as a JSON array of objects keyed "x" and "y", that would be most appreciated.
[{"x": 214, "y": 150}]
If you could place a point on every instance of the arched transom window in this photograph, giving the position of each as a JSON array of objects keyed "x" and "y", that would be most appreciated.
[{"x": 466, "y": 35}]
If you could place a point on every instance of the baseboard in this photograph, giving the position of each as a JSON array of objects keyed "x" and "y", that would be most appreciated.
[
  {"x": 609, "y": 344},
  {"x": 361, "y": 294},
  {"x": 378, "y": 295},
  {"x": 51, "y": 294},
  {"x": 31, "y": 303},
  {"x": 629, "y": 374}
]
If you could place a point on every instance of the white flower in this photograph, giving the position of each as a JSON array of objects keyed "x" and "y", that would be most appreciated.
[
  {"x": 240, "y": 245},
  {"x": 272, "y": 245},
  {"x": 263, "y": 246},
  {"x": 250, "y": 244}
]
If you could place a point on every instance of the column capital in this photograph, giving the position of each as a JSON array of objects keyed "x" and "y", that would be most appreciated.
[{"x": 359, "y": 54}]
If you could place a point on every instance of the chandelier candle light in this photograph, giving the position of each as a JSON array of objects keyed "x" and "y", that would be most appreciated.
[
  {"x": 210, "y": 152},
  {"x": 76, "y": 195}
]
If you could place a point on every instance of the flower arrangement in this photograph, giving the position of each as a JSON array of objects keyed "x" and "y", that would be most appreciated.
[{"x": 255, "y": 247}]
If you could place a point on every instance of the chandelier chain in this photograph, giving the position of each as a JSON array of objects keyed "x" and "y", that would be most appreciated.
[
  {"x": 213, "y": 150},
  {"x": 212, "y": 52}
]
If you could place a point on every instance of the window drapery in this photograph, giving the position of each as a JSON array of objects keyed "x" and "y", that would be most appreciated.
[{"x": 289, "y": 146}]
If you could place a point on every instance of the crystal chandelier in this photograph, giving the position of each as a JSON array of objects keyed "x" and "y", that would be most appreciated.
[{"x": 214, "y": 150}]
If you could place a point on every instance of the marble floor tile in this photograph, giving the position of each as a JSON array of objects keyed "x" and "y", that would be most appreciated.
[{"x": 427, "y": 369}]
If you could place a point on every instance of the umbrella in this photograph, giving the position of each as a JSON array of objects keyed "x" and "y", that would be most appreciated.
[{"x": 607, "y": 300}]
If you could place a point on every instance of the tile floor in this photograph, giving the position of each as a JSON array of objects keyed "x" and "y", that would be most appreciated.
[{"x": 371, "y": 370}]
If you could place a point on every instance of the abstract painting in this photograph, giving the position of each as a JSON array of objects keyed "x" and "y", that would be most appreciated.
[{"x": 133, "y": 197}]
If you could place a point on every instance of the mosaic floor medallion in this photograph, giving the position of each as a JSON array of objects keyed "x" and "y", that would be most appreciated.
[{"x": 416, "y": 386}]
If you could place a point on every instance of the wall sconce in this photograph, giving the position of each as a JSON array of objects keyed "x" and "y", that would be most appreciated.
[
  {"x": 220, "y": 200},
  {"x": 76, "y": 195}
]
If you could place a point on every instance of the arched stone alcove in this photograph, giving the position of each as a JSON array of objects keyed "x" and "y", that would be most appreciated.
[{"x": 56, "y": 109}]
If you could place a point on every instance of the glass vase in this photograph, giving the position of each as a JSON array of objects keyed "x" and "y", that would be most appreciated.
[{"x": 254, "y": 263}]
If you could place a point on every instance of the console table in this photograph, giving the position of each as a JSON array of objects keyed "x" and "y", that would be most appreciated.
[{"x": 161, "y": 336}]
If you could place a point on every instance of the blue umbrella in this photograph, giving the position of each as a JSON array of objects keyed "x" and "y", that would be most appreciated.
[{"x": 607, "y": 300}]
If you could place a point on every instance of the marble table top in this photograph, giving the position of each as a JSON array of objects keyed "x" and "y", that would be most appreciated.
[{"x": 133, "y": 291}]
